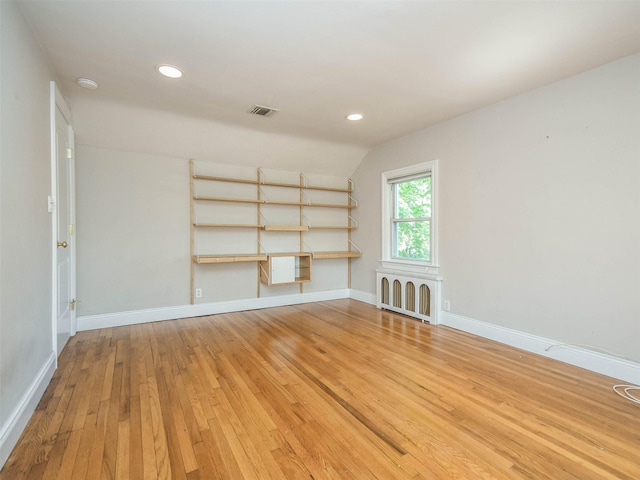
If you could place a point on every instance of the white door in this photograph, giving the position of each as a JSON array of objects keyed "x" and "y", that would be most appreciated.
[{"x": 64, "y": 276}]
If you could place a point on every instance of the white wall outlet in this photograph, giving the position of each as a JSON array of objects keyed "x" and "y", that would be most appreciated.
[
  {"x": 446, "y": 305},
  {"x": 198, "y": 293}
]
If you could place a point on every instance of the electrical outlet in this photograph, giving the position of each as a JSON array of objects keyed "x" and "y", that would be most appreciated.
[
  {"x": 198, "y": 293},
  {"x": 446, "y": 305}
]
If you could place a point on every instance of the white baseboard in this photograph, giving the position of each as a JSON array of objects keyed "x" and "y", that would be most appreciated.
[
  {"x": 107, "y": 320},
  {"x": 598, "y": 362},
  {"x": 361, "y": 296},
  {"x": 612, "y": 366},
  {"x": 12, "y": 429}
]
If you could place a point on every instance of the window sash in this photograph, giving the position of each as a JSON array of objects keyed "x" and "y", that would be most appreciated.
[
  {"x": 394, "y": 185},
  {"x": 397, "y": 220},
  {"x": 394, "y": 240}
]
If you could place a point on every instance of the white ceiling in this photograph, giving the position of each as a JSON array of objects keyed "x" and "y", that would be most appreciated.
[{"x": 404, "y": 65}]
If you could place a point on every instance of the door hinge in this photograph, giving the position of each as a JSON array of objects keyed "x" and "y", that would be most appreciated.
[
  {"x": 69, "y": 153},
  {"x": 72, "y": 304},
  {"x": 72, "y": 229}
]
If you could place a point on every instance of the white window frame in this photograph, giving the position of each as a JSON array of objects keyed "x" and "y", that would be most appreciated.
[{"x": 388, "y": 179}]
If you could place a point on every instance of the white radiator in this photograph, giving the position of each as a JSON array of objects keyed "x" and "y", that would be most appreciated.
[{"x": 416, "y": 295}]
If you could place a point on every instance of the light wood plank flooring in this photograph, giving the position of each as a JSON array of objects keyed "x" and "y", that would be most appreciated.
[{"x": 331, "y": 390}]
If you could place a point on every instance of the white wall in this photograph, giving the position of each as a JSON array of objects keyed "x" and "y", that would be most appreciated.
[
  {"x": 132, "y": 230},
  {"x": 539, "y": 209},
  {"x": 25, "y": 238}
]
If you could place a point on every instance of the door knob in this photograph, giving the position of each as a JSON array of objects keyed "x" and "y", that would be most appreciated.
[{"x": 63, "y": 244}]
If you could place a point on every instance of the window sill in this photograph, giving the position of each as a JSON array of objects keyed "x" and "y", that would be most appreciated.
[{"x": 410, "y": 267}]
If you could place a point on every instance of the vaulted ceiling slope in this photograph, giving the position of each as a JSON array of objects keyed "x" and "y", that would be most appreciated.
[{"x": 404, "y": 65}]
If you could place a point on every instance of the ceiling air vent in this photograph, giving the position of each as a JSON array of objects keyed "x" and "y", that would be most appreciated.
[{"x": 263, "y": 111}]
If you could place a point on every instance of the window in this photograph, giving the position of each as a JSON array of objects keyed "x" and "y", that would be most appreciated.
[
  {"x": 409, "y": 223},
  {"x": 411, "y": 219}
]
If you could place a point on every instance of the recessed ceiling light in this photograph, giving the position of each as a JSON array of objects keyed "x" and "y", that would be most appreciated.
[
  {"x": 87, "y": 83},
  {"x": 354, "y": 116},
  {"x": 170, "y": 71}
]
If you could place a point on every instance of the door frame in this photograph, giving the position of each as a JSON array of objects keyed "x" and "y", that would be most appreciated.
[{"x": 57, "y": 102}]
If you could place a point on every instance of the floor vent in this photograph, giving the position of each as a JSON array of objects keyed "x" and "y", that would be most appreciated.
[{"x": 414, "y": 295}]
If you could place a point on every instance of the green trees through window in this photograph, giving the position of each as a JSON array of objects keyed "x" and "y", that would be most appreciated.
[{"x": 412, "y": 218}]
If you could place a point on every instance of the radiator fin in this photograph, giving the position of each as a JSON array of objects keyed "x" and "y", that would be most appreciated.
[
  {"x": 384, "y": 290},
  {"x": 410, "y": 296},
  {"x": 397, "y": 294},
  {"x": 425, "y": 300}
]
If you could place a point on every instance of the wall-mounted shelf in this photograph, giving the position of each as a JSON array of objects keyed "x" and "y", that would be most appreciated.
[
  {"x": 227, "y": 225},
  {"x": 274, "y": 202},
  {"x": 269, "y": 228},
  {"x": 330, "y": 205},
  {"x": 274, "y": 184},
  {"x": 224, "y": 179},
  {"x": 330, "y": 254},
  {"x": 230, "y": 258},
  {"x": 331, "y": 227},
  {"x": 286, "y": 228},
  {"x": 281, "y": 215},
  {"x": 228, "y": 199}
]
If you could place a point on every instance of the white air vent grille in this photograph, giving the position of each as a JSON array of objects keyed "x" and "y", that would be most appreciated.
[{"x": 263, "y": 111}]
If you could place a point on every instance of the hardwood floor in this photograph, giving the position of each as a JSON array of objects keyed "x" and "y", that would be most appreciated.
[{"x": 325, "y": 390}]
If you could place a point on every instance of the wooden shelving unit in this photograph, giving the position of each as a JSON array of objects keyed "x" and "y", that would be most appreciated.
[{"x": 267, "y": 261}]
